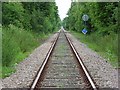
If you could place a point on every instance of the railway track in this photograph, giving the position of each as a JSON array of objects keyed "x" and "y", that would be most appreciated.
[{"x": 63, "y": 67}]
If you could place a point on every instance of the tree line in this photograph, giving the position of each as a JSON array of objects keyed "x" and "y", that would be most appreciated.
[
  {"x": 24, "y": 26},
  {"x": 103, "y": 17},
  {"x": 35, "y": 16},
  {"x": 102, "y": 26}
]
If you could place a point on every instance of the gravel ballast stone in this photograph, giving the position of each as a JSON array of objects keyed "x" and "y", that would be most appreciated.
[
  {"x": 62, "y": 70},
  {"x": 27, "y": 69},
  {"x": 102, "y": 72}
]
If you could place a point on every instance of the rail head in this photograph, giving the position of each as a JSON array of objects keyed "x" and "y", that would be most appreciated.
[
  {"x": 47, "y": 58},
  {"x": 81, "y": 63},
  {"x": 44, "y": 63}
]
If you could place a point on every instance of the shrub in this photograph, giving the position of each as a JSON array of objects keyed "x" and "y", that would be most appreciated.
[
  {"x": 106, "y": 45},
  {"x": 15, "y": 42}
]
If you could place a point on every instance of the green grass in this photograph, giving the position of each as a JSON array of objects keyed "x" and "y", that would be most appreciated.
[
  {"x": 17, "y": 44},
  {"x": 106, "y": 46},
  {"x": 7, "y": 71}
]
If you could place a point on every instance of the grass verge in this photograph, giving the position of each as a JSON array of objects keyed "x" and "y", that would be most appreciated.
[
  {"x": 106, "y": 46},
  {"x": 17, "y": 44}
]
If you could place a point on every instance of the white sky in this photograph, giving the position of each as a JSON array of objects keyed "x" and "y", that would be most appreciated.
[{"x": 63, "y": 7}]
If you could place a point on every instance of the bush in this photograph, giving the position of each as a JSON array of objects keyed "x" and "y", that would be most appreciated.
[
  {"x": 15, "y": 42},
  {"x": 9, "y": 48},
  {"x": 107, "y": 45}
]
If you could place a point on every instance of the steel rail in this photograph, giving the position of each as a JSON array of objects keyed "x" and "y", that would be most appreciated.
[
  {"x": 81, "y": 63},
  {"x": 77, "y": 56},
  {"x": 44, "y": 63}
]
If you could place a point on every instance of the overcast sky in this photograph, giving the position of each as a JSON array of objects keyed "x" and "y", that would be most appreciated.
[{"x": 63, "y": 7}]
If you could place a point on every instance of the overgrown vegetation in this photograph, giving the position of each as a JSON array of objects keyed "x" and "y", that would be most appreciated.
[
  {"x": 24, "y": 26},
  {"x": 108, "y": 50},
  {"x": 102, "y": 26}
]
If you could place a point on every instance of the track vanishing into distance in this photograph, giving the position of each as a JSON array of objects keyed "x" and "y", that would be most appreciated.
[{"x": 63, "y": 67}]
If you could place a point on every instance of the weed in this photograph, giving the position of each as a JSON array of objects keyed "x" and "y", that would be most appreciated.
[
  {"x": 107, "y": 46},
  {"x": 17, "y": 44}
]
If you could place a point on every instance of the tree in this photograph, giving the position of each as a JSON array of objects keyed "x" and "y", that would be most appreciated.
[{"x": 103, "y": 17}]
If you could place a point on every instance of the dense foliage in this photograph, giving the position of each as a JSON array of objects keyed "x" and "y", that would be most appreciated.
[
  {"x": 103, "y": 17},
  {"x": 102, "y": 25},
  {"x": 24, "y": 26},
  {"x": 35, "y": 16}
]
